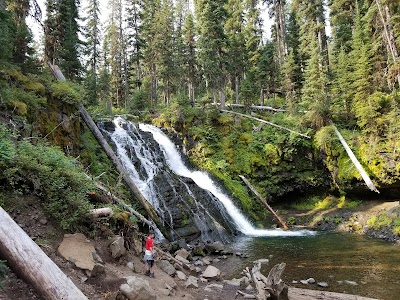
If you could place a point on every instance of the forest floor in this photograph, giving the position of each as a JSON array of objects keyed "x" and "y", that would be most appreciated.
[{"x": 32, "y": 219}]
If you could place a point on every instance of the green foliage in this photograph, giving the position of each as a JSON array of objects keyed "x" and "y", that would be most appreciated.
[
  {"x": 48, "y": 173},
  {"x": 66, "y": 92},
  {"x": 386, "y": 220},
  {"x": 3, "y": 272}
]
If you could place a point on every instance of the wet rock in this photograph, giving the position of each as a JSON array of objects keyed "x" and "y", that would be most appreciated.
[
  {"x": 212, "y": 272},
  {"x": 137, "y": 288},
  {"x": 214, "y": 247}
]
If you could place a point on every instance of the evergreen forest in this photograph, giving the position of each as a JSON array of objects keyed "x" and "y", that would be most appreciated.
[{"x": 191, "y": 67}]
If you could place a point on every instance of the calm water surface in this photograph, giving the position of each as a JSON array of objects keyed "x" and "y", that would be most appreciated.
[{"x": 329, "y": 257}]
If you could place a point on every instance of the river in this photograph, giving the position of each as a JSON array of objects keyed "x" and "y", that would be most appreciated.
[{"x": 330, "y": 257}]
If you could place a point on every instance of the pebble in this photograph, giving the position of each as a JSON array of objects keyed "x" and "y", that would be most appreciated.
[
  {"x": 311, "y": 280},
  {"x": 322, "y": 284}
]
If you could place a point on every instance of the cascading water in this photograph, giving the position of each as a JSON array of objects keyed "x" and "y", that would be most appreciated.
[{"x": 145, "y": 164}]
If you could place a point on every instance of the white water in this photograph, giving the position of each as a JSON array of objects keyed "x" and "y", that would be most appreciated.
[{"x": 176, "y": 164}]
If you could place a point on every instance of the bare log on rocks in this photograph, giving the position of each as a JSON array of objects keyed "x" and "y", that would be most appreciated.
[
  {"x": 104, "y": 212},
  {"x": 264, "y": 202},
  {"x": 271, "y": 287},
  {"x": 26, "y": 259}
]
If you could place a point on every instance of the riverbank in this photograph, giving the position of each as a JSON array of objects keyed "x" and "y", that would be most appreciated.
[{"x": 107, "y": 284}]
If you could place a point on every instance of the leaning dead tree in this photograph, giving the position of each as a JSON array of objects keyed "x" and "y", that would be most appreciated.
[
  {"x": 252, "y": 188},
  {"x": 114, "y": 159},
  {"x": 26, "y": 259},
  {"x": 258, "y": 107},
  {"x": 271, "y": 287},
  {"x": 356, "y": 163},
  {"x": 266, "y": 122}
]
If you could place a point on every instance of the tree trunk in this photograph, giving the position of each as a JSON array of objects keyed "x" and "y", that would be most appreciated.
[
  {"x": 237, "y": 89},
  {"x": 388, "y": 33},
  {"x": 355, "y": 161},
  {"x": 26, "y": 258},
  {"x": 114, "y": 159},
  {"x": 266, "y": 122},
  {"x": 264, "y": 202}
]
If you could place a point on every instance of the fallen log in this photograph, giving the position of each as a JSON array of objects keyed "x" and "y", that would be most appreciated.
[
  {"x": 27, "y": 260},
  {"x": 266, "y": 122},
  {"x": 355, "y": 161},
  {"x": 123, "y": 204},
  {"x": 259, "y": 107},
  {"x": 264, "y": 202},
  {"x": 104, "y": 212}
]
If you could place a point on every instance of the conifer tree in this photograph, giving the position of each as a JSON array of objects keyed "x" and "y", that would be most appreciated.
[
  {"x": 212, "y": 42},
  {"x": 190, "y": 59},
  {"x": 92, "y": 35},
  {"x": 234, "y": 28}
]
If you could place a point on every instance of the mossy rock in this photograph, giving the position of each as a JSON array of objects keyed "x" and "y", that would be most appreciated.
[{"x": 26, "y": 83}]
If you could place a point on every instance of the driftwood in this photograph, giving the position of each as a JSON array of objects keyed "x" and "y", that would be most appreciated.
[
  {"x": 26, "y": 259},
  {"x": 284, "y": 226},
  {"x": 271, "y": 287},
  {"x": 356, "y": 163},
  {"x": 245, "y": 296},
  {"x": 266, "y": 122}
]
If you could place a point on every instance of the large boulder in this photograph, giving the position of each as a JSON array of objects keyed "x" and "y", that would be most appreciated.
[
  {"x": 117, "y": 247},
  {"x": 137, "y": 288},
  {"x": 212, "y": 273},
  {"x": 167, "y": 267},
  {"x": 183, "y": 253},
  {"x": 78, "y": 249}
]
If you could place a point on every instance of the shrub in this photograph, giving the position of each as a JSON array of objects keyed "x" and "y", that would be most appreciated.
[{"x": 66, "y": 92}]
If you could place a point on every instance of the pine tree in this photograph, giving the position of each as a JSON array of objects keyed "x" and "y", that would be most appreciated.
[
  {"x": 252, "y": 86},
  {"x": 234, "y": 28},
  {"x": 314, "y": 93},
  {"x": 62, "y": 44},
  {"x": 21, "y": 35},
  {"x": 92, "y": 35},
  {"x": 5, "y": 36},
  {"x": 190, "y": 59},
  {"x": 212, "y": 44}
]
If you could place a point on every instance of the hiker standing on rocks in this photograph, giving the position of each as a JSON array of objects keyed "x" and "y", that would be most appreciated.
[{"x": 149, "y": 254}]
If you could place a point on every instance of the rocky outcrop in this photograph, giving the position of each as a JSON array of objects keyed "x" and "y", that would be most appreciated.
[{"x": 78, "y": 249}]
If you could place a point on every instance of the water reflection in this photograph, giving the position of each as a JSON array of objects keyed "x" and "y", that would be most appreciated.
[{"x": 331, "y": 257}]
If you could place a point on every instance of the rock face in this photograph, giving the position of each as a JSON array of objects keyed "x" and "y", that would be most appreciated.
[
  {"x": 191, "y": 211},
  {"x": 137, "y": 288},
  {"x": 79, "y": 250}
]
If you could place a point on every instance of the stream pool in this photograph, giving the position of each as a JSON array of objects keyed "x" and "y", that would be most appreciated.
[{"x": 328, "y": 256}]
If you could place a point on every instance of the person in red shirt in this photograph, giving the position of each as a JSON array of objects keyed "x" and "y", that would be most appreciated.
[{"x": 149, "y": 254}]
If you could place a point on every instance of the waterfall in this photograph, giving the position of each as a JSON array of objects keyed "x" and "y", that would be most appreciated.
[{"x": 144, "y": 166}]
